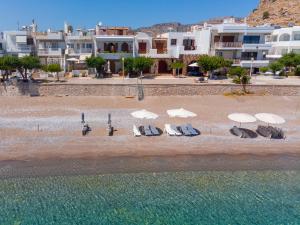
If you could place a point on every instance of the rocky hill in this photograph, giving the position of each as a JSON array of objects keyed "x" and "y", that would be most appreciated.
[
  {"x": 278, "y": 12},
  {"x": 175, "y": 26}
]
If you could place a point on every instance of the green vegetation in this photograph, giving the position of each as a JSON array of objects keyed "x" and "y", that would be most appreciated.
[
  {"x": 240, "y": 76},
  {"x": 276, "y": 66},
  {"x": 53, "y": 68},
  {"x": 142, "y": 63},
  {"x": 10, "y": 63},
  {"x": 137, "y": 65},
  {"x": 177, "y": 65},
  {"x": 264, "y": 69},
  {"x": 210, "y": 63},
  {"x": 96, "y": 63},
  {"x": 266, "y": 15}
]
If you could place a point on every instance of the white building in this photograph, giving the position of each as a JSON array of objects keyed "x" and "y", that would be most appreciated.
[
  {"x": 113, "y": 44},
  {"x": 79, "y": 47},
  {"x": 50, "y": 47},
  {"x": 283, "y": 41},
  {"x": 18, "y": 43},
  {"x": 2, "y": 47},
  {"x": 243, "y": 44}
]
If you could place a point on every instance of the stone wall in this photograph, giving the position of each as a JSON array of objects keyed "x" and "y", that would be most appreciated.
[{"x": 35, "y": 89}]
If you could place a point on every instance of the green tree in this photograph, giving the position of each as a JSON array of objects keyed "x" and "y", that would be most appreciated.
[
  {"x": 297, "y": 71},
  {"x": 129, "y": 65},
  {"x": 290, "y": 60},
  {"x": 177, "y": 65},
  {"x": 210, "y": 63},
  {"x": 28, "y": 63},
  {"x": 264, "y": 69},
  {"x": 96, "y": 63},
  {"x": 276, "y": 66},
  {"x": 240, "y": 76},
  {"x": 54, "y": 68},
  {"x": 142, "y": 63},
  {"x": 8, "y": 64}
]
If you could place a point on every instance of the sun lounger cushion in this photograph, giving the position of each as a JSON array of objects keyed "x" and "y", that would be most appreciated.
[
  {"x": 185, "y": 131},
  {"x": 148, "y": 131},
  {"x": 154, "y": 130},
  {"x": 192, "y": 130},
  {"x": 236, "y": 131}
]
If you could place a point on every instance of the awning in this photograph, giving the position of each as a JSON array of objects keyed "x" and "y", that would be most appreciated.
[{"x": 194, "y": 65}]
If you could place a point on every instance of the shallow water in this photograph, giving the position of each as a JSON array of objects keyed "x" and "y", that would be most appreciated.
[{"x": 265, "y": 197}]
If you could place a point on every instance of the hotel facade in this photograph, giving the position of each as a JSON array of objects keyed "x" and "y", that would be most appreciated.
[{"x": 246, "y": 46}]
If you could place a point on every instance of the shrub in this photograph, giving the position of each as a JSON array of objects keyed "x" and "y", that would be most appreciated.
[
  {"x": 297, "y": 71},
  {"x": 264, "y": 69},
  {"x": 266, "y": 15}
]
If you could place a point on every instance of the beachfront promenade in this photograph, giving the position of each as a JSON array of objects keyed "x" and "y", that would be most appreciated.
[{"x": 158, "y": 86}]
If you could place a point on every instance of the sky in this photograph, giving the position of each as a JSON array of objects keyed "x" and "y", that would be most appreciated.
[{"x": 132, "y": 13}]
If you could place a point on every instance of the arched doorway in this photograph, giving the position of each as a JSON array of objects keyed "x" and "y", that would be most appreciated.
[
  {"x": 125, "y": 47},
  {"x": 163, "y": 67}
]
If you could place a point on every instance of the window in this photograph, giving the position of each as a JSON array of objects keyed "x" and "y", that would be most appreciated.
[
  {"x": 83, "y": 45},
  {"x": 274, "y": 38},
  {"x": 89, "y": 45},
  {"x": 78, "y": 46},
  {"x": 297, "y": 37},
  {"x": 251, "y": 39},
  {"x": 285, "y": 37},
  {"x": 1, "y": 47},
  {"x": 71, "y": 45},
  {"x": 173, "y": 42},
  {"x": 249, "y": 55}
]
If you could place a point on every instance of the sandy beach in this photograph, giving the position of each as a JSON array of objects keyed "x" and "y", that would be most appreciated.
[{"x": 60, "y": 136}]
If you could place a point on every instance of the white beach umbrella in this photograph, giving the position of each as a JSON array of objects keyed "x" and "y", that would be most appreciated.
[
  {"x": 144, "y": 114},
  {"x": 242, "y": 118},
  {"x": 181, "y": 113},
  {"x": 72, "y": 60},
  {"x": 194, "y": 65},
  {"x": 270, "y": 118}
]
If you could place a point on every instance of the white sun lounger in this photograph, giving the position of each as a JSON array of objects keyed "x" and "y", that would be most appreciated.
[
  {"x": 177, "y": 132},
  {"x": 136, "y": 132},
  {"x": 169, "y": 130},
  {"x": 192, "y": 130}
]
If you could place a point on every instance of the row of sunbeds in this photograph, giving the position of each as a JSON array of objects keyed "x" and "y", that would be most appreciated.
[
  {"x": 267, "y": 132},
  {"x": 171, "y": 130}
]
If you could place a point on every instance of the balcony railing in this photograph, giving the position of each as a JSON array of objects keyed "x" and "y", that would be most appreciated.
[
  {"x": 71, "y": 51},
  {"x": 50, "y": 51},
  {"x": 228, "y": 44}
]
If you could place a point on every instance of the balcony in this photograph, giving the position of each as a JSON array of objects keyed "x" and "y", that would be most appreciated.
[
  {"x": 21, "y": 49},
  {"x": 72, "y": 51},
  {"x": 50, "y": 52},
  {"x": 228, "y": 45},
  {"x": 156, "y": 53},
  {"x": 50, "y": 36},
  {"x": 115, "y": 55},
  {"x": 258, "y": 46}
]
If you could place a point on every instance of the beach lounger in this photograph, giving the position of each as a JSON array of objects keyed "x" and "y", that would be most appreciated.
[
  {"x": 264, "y": 131},
  {"x": 192, "y": 130},
  {"x": 154, "y": 130},
  {"x": 147, "y": 131},
  {"x": 136, "y": 131},
  {"x": 184, "y": 130},
  {"x": 172, "y": 130},
  {"x": 85, "y": 129},
  {"x": 236, "y": 132},
  {"x": 177, "y": 132},
  {"x": 277, "y": 133}
]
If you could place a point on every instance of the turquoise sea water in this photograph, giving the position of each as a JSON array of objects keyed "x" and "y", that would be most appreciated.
[{"x": 154, "y": 198}]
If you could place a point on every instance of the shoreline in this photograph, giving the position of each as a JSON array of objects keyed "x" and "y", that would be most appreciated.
[{"x": 153, "y": 164}]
